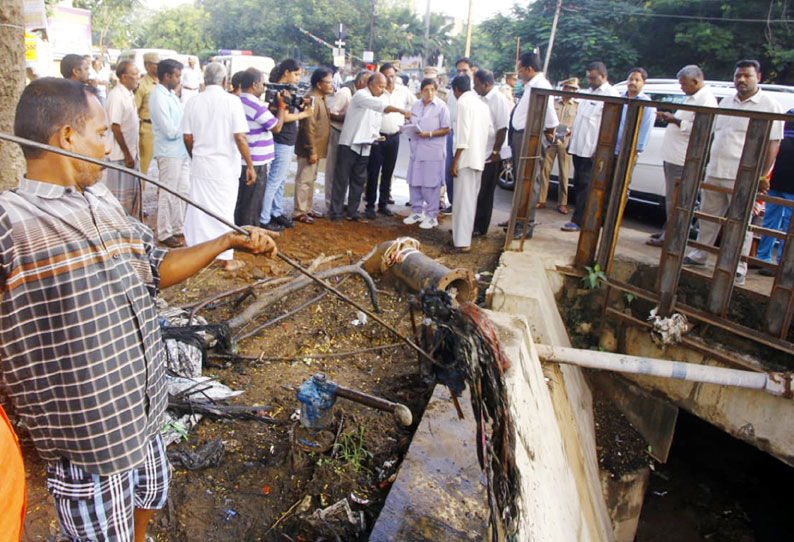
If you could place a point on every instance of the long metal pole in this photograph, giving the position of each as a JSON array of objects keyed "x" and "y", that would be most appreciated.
[
  {"x": 551, "y": 38},
  {"x": 427, "y": 35},
  {"x": 233, "y": 226},
  {"x": 773, "y": 383}
]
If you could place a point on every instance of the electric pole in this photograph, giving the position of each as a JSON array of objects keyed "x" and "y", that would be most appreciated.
[
  {"x": 551, "y": 38},
  {"x": 467, "y": 52}
]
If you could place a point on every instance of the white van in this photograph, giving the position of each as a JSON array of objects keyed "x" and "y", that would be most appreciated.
[
  {"x": 136, "y": 55},
  {"x": 237, "y": 63}
]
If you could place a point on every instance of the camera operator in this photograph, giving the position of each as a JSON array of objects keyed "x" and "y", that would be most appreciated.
[
  {"x": 262, "y": 124},
  {"x": 272, "y": 216},
  {"x": 312, "y": 146}
]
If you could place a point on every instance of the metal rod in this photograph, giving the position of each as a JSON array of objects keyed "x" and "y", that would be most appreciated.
[
  {"x": 773, "y": 383},
  {"x": 233, "y": 226}
]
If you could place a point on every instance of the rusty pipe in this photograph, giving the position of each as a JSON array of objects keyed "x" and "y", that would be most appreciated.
[{"x": 401, "y": 412}]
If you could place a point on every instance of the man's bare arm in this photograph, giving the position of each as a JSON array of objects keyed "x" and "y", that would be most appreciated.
[
  {"x": 188, "y": 139},
  {"x": 182, "y": 263},
  {"x": 129, "y": 161}
]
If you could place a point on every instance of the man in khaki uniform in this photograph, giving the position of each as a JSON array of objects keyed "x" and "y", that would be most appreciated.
[
  {"x": 566, "y": 109},
  {"x": 145, "y": 87}
]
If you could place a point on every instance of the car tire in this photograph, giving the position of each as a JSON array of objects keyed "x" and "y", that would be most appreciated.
[{"x": 506, "y": 180}]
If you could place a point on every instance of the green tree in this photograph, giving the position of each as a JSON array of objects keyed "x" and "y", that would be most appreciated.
[
  {"x": 111, "y": 21},
  {"x": 182, "y": 28}
]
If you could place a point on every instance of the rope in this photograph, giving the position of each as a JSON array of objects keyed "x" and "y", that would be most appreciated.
[{"x": 400, "y": 249}]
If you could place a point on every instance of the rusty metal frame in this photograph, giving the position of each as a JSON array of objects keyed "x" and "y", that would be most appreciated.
[{"x": 609, "y": 185}]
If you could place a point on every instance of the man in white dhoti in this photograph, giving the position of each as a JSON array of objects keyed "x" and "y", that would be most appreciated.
[
  {"x": 472, "y": 129},
  {"x": 214, "y": 129}
]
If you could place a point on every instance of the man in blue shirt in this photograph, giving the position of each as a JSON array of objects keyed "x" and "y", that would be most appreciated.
[
  {"x": 635, "y": 83},
  {"x": 173, "y": 162}
]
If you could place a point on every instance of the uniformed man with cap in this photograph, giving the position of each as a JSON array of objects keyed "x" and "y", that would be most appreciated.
[
  {"x": 145, "y": 87},
  {"x": 566, "y": 109}
]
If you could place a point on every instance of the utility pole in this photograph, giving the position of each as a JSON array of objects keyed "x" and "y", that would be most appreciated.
[
  {"x": 427, "y": 35},
  {"x": 467, "y": 52},
  {"x": 371, "y": 21},
  {"x": 551, "y": 38}
]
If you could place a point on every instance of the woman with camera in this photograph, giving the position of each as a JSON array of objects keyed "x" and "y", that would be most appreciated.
[{"x": 272, "y": 217}]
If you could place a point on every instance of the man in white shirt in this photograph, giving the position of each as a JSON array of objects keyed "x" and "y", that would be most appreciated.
[
  {"x": 462, "y": 67},
  {"x": 726, "y": 151},
  {"x": 473, "y": 130},
  {"x": 676, "y": 136},
  {"x": 383, "y": 157},
  {"x": 584, "y": 136},
  {"x": 499, "y": 107},
  {"x": 360, "y": 129},
  {"x": 338, "y": 108},
  {"x": 192, "y": 79},
  {"x": 529, "y": 68},
  {"x": 123, "y": 119},
  {"x": 214, "y": 129}
]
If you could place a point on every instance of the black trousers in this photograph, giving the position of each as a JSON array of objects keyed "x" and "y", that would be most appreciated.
[
  {"x": 350, "y": 174},
  {"x": 249, "y": 198},
  {"x": 482, "y": 218},
  {"x": 582, "y": 175},
  {"x": 382, "y": 160}
]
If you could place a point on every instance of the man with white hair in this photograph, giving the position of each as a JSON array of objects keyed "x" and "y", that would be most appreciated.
[{"x": 214, "y": 129}]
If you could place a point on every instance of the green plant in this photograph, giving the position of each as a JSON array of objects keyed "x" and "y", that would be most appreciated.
[
  {"x": 594, "y": 275},
  {"x": 352, "y": 450},
  {"x": 629, "y": 298},
  {"x": 176, "y": 427}
]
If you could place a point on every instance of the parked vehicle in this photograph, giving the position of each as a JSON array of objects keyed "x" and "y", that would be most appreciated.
[
  {"x": 136, "y": 56},
  {"x": 236, "y": 61},
  {"x": 647, "y": 181}
]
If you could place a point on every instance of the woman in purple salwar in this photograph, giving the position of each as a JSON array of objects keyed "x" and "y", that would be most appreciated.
[{"x": 428, "y": 131}]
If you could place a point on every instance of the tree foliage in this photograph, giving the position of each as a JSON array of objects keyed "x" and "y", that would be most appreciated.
[
  {"x": 111, "y": 21},
  {"x": 183, "y": 28},
  {"x": 660, "y": 35}
]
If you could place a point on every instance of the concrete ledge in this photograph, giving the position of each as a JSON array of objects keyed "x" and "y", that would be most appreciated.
[
  {"x": 521, "y": 285},
  {"x": 439, "y": 494}
]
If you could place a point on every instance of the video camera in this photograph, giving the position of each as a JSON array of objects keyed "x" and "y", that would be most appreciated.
[{"x": 295, "y": 93}]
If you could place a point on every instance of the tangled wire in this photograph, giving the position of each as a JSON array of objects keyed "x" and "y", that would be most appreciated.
[{"x": 466, "y": 349}]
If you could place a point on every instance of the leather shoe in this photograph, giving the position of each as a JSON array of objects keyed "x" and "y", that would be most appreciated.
[
  {"x": 272, "y": 226},
  {"x": 655, "y": 242},
  {"x": 385, "y": 211},
  {"x": 767, "y": 272},
  {"x": 315, "y": 214},
  {"x": 173, "y": 242},
  {"x": 305, "y": 219},
  {"x": 519, "y": 231},
  {"x": 562, "y": 209},
  {"x": 370, "y": 213},
  {"x": 283, "y": 220},
  {"x": 689, "y": 261},
  {"x": 391, "y": 201}
]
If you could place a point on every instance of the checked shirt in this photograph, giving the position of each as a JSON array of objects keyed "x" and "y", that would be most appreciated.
[{"x": 80, "y": 350}]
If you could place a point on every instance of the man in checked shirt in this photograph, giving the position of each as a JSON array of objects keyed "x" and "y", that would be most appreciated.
[{"x": 80, "y": 350}]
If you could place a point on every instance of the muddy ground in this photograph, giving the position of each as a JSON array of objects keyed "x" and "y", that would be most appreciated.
[{"x": 262, "y": 478}]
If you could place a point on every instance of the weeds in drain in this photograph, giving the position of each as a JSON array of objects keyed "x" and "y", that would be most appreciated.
[
  {"x": 352, "y": 450},
  {"x": 629, "y": 298},
  {"x": 594, "y": 275},
  {"x": 176, "y": 427}
]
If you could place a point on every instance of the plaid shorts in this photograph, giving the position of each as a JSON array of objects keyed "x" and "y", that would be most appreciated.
[{"x": 100, "y": 508}]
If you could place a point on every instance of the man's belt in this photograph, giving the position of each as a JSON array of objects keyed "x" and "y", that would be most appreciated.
[
  {"x": 147, "y": 121},
  {"x": 390, "y": 135}
]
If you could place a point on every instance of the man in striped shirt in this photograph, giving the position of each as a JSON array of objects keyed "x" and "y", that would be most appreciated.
[
  {"x": 81, "y": 355},
  {"x": 261, "y": 127}
]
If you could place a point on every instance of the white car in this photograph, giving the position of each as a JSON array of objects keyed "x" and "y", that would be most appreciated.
[{"x": 647, "y": 180}]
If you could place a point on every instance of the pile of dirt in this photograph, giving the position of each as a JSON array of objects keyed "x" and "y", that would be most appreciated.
[{"x": 263, "y": 489}]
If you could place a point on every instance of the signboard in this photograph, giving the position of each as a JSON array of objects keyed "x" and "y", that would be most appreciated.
[
  {"x": 35, "y": 14},
  {"x": 70, "y": 31},
  {"x": 339, "y": 61},
  {"x": 30, "y": 47},
  {"x": 368, "y": 56}
]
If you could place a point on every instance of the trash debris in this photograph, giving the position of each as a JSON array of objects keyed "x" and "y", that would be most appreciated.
[
  {"x": 229, "y": 514},
  {"x": 360, "y": 320},
  {"x": 667, "y": 331},
  {"x": 208, "y": 455},
  {"x": 358, "y": 499},
  {"x": 340, "y": 512}
]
